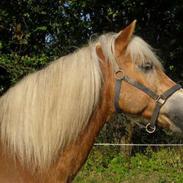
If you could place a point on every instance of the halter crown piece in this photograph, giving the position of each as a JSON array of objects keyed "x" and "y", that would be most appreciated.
[{"x": 159, "y": 99}]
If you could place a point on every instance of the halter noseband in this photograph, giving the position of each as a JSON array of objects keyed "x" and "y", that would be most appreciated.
[{"x": 159, "y": 99}]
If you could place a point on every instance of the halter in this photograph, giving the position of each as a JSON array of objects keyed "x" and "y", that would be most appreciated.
[{"x": 159, "y": 99}]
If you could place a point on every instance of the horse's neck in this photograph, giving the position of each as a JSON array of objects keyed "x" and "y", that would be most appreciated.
[{"x": 75, "y": 155}]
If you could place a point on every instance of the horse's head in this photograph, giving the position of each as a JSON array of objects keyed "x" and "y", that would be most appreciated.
[{"x": 138, "y": 83}]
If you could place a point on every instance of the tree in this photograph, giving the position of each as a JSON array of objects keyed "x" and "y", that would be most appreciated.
[{"x": 34, "y": 32}]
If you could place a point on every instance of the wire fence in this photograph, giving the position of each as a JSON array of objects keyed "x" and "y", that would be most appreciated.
[{"x": 139, "y": 145}]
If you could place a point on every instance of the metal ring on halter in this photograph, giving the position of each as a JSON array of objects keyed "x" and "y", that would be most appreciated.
[
  {"x": 150, "y": 129},
  {"x": 160, "y": 100},
  {"x": 119, "y": 74}
]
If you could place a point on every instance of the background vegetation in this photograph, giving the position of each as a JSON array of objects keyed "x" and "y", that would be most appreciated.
[
  {"x": 35, "y": 32},
  {"x": 107, "y": 165}
]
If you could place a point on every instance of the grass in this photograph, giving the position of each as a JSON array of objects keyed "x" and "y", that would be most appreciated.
[{"x": 107, "y": 165}]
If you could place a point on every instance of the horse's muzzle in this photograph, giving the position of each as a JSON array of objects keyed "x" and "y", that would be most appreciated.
[{"x": 173, "y": 110}]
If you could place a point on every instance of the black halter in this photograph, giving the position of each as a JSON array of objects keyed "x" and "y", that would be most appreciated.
[{"x": 160, "y": 99}]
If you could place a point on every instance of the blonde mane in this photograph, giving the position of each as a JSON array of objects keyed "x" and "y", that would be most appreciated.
[{"x": 47, "y": 110}]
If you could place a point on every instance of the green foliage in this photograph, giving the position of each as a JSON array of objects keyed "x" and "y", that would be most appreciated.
[
  {"x": 57, "y": 27},
  {"x": 13, "y": 67},
  {"x": 165, "y": 165},
  {"x": 54, "y": 28}
]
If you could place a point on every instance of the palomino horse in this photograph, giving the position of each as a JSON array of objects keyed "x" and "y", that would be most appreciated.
[{"x": 50, "y": 119}]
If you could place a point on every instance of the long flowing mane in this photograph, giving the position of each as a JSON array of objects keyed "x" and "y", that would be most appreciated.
[
  {"x": 42, "y": 113},
  {"x": 46, "y": 110}
]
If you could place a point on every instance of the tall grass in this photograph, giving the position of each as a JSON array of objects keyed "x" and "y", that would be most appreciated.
[{"x": 107, "y": 165}]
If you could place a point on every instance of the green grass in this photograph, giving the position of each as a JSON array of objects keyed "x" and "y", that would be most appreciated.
[{"x": 109, "y": 166}]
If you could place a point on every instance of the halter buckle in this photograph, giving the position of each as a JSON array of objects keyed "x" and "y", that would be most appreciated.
[
  {"x": 119, "y": 74},
  {"x": 160, "y": 100},
  {"x": 150, "y": 129}
]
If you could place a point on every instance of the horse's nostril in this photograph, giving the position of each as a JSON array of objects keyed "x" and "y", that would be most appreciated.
[
  {"x": 173, "y": 110},
  {"x": 176, "y": 116}
]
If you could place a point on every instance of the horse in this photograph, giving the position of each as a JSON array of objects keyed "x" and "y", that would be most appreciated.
[{"x": 50, "y": 119}]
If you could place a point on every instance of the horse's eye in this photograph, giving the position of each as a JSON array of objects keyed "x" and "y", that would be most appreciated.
[{"x": 146, "y": 67}]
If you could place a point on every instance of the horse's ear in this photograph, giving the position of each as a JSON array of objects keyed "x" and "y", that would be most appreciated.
[
  {"x": 102, "y": 60},
  {"x": 100, "y": 53},
  {"x": 124, "y": 37}
]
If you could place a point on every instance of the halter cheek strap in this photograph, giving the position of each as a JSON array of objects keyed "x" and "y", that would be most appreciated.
[{"x": 159, "y": 99}]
